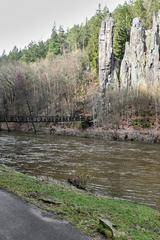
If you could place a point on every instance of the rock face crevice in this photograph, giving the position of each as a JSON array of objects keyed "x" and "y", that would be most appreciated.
[
  {"x": 141, "y": 61},
  {"x": 106, "y": 56}
]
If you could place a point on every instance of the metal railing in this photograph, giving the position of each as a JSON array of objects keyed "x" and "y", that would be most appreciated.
[{"x": 54, "y": 119}]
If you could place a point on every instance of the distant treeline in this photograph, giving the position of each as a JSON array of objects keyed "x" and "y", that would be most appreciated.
[{"x": 61, "y": 42}]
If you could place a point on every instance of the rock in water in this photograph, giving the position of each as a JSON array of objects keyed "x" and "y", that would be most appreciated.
[{"x": 78, "y": 182}]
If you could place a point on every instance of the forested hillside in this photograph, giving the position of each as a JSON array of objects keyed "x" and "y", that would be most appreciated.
[
  {"x": 60, "y": 76},
  {"x": 85, "y": 35}
]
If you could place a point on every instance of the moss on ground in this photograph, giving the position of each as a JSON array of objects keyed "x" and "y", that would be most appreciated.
[{"x": 84, "y": 210}]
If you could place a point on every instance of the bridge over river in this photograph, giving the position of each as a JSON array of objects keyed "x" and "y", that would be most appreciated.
[{"x": 38, "y": 119}]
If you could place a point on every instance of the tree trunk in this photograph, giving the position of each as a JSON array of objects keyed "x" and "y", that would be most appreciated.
[
  {"x": 30, "y": 113},
  {"x": 7, "y": 124}
]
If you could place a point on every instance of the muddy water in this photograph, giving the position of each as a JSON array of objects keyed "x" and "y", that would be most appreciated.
[{"x": 118, "y": 169}]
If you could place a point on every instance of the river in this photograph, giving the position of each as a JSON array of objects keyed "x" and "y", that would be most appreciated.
[{"x": 117, "y": 169}]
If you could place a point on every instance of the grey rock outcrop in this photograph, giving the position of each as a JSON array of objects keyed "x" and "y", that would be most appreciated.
[
  {"x": 132, "y": 66},
  {"x": 141, "y": 61},
  {"x": 153, "y": 51},
  {"x": 106, "y": 59}
]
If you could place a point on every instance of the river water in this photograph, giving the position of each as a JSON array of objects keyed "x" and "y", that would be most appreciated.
[{"x": 117, "y": 169}]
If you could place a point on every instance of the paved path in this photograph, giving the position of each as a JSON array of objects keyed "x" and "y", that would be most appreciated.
[{"x": 22, "y": 221}]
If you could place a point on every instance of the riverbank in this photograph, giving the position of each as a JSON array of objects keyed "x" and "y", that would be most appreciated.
[
  {"x": 82, "y": 209},
  {"x": 130, "y": 134},
  {"x": 127, "y": 133}
]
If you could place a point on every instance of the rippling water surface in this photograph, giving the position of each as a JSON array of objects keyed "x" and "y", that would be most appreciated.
[{"x": 118, "y": 169}]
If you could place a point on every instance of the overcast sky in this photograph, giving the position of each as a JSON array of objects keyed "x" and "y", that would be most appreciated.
[{"x": 24, "y": 20}]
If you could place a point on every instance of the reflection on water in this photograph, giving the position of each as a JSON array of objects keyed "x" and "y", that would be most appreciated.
[{"x": 118, "y": 169}]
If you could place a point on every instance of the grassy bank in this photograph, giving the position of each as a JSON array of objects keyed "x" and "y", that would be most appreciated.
[{"x": 84, "y": 210}]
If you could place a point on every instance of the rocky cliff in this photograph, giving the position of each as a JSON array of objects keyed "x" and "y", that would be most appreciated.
[
  {"x": 106, "y": 57},
  {"x": 141, "y": 61}
]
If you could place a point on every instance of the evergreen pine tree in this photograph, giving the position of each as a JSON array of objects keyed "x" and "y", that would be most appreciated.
[
  {"x": 54, "y": 43},
  {"x": 123, "y": 20},
  {"x": 152, "y": 7}
]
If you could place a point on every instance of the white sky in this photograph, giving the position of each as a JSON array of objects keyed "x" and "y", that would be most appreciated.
[{"x": 24, "y": 20}]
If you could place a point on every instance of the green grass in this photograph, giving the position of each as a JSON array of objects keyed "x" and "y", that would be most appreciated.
[{"x": 84, "y": 210}]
